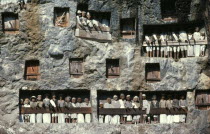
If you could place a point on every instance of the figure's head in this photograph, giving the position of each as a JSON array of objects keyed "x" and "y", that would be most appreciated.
[
  {"x": 73, "y": 100},
  {"x": 128, "y": 97},
  {"x": 197, "y": 29},
  {"x": 182, "y": 97},
  {"x": 115, "y": 97},
  {"x": 33, "y": 98},
  {"x": 46, "y": 95},
  {"x": 83, "y": 13},
  {"x": 79, "y": 100},
  {"x": 143, "y": 96},
  {"x": 163, "y": 96},
  {"x": 53, "y": 96},
  {"x": 79, "y": 13},
  {"x": 136, "y": 98},
  {"x": 154, "y": 97},
  {"x": 122, "y": 96},
  {"x": 39, "y": 97},
  {"x": 88, "y": 15},
  {"x": 109, "y": 100},
  {"x": 60, "y": 96},
  {"x": 26, "y": 101},
  {"x": 68, "y": 98},
  {"x": 101, "y": 105},
  {"x": 86, "y": 100}
]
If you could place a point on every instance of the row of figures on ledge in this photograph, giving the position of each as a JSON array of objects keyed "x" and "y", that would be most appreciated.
[
  {"x": 146, "y": 105},
  {"x": 85, "y": 22},
  {"x": 176, "y": 46},
  {"x": 53, "y": 103}
]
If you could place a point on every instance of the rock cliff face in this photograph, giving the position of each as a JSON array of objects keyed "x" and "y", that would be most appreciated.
[{"x": 39, "y": 39}]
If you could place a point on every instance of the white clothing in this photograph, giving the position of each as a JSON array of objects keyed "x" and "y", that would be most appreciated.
[
  {"x": 80, "y": 117},
  {"x": 87, "y": 116},
  {"x": 101, "y": 119},
  {"x": 122, "y": 103},
  {"x": 176, "y": 119},
  {"x": 73, "y": 115},
  {"x": 61, "y": 118},
  {"x": 46, "y": 118},
  {"x": 197, "y": 50},
  {"x": 190, "y": 51},
  {"x": 39, "y": 118},
  {"x": 163, "y": 118},
  {"x": 108, "y": 118}
]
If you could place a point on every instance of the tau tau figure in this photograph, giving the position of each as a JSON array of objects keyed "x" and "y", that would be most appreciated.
[
  {"x": 108, "y": 118},
  {"x": 136, "y": 104},
  {"x": 21, "y": 117},
  {"x": 46, "y": 116},
  {"x": 169, "y": 106},
  {"x": 86, "y": 103},
  {"x": 183, "y": 105},
  {"x": 101, "y": 117},
  {"x": 122, "y": 105},
  {"x": 61, "y": 116},
  {"x": 39, "y": 105},
  {"x": 162, "y": 104},
  {"x": 26, "y": 105},
  {"x": 53, "y": 104},
  {"x": 146, "y": 106},
  {"x": 80, "y": 116},
  {"x": 74, "y": 115},
  {"x": 33, "y": 104},
  {"x": 89, "y": 21},
  {"x": 115, "y": 104},
  {"x": 68, "y": 105},
  {"x": 154, "y": 104},
  {"x": 128, "y": 104},
  {"x": 197, "y": 36},
  {"x": 175, "y": 105}
]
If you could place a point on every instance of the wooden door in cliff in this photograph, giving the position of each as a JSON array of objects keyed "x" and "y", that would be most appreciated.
[
  {"x": 152, "y": 72},
  {"x": 76, "y": 67},
  {"x": 32, "y": 70},
  {"x": 113, "y": 69}
]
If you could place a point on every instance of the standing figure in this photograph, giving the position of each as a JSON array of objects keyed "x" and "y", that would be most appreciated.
[
  {"x": 162, "y": 104},
  {"x": 128, "y": 104},
  {"x": 149, "y": 46},
  {"x": 33, "y": 105},
  {"x": 122, "y": 105},
  {"x": 101, "y": 117},
  {"x": 79, "y": 23},
  {"x": 68, "y": 105},
  {"x": 73, "y": 115},
  {"x": 146, "y": 106},
  {"x": 89, "y": 21},
  {"x": 136, "y": 104},
  {"x": 39, "y": 105},
  {"x": 190, "y": 48},
  {"x": 154, "y": 104},
  {"x": 169, "y": 102},
  {"x": 21, "y": 117},
  {"x": 183, "y": 105},
  {"x": 61, "y": 116},
  {"x": 163, "y": 45},
  {"x": 183, "y": 37},
  {"x": 80, "y": 116},
  {"x": 54, "y": 104},
  {"x": 86, "y": 103},
  {"x": 197, "y": 37},
  {"x": 204, "y": 38},
  {"x": 83, "y": 20},
  {"x": 115, "y": 104},
  {"x": 26, "y": 105},
  {"x": 46, "y": 116},
  {"x": 108, "y": 118},
  {"x": 175, "y": 105}
]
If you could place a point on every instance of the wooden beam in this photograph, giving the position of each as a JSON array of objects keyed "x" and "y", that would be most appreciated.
[
  {"x": 136, "y": 111},
  {"x": 56, "y": 110}
]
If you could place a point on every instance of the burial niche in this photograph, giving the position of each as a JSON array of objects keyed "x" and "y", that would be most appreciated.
[
  {"x": 202, "y": 100},
  {"x": 135, "y": 107},
  {"x": 10, "y": 23},
  {"x": 127, "y": 27},
  {"x": 61, "y": 17},
  {"x": 112, "y": 68},
  {"x": 58, "y": 106},
  {"x": 168, "y": 9},
  {"x": 76, "y": 67},
  {"x": 32, "y": 70},
  {"x": 152, "y": 72}
]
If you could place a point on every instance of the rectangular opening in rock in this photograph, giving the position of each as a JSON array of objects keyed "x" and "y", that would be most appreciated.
[
  {"x": 128, "y": 107},
  {"x": 57, "y": 106},
  {"x": 168, "y": 10},
  {"x": 112, "y": 68},
  {"x": 76, "y": 67},
  {"x": 152, "y": 71},
  {"x": 202, "y": 100},
  {"x": 128, "y": 28},
  {"x": 10, "y": 23},
  {"x": 61, "y": 17},
  {"x": 82, "y": 7},
  {"x": 32, "y": 70},
  {"x": 175, "y": 40}
]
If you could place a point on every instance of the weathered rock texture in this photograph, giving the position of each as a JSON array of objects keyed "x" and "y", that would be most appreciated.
[{"x": 54, "y": 46}]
